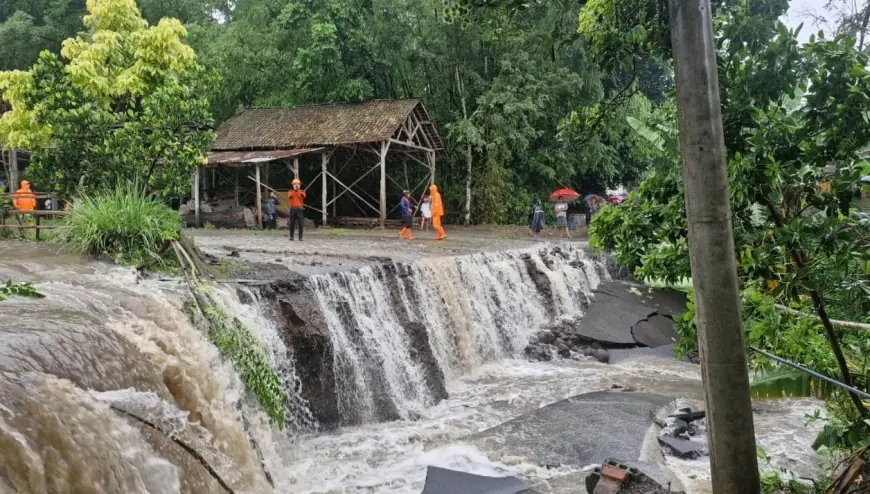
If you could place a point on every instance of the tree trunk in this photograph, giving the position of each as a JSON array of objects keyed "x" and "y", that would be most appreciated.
[
  {"x": 461, "y": 88},
  {"x": 731, "y": 434}
]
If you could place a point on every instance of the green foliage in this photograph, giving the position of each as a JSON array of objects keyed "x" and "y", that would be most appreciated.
[
  {"x": 123, "y": 100},
  {"x": 11, "y": 289},
  {"x": 122, "y": 223},
  {"x": 248, "y": 356}
]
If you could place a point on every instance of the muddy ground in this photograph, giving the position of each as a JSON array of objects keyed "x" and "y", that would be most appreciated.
[{"x": 247, "y": 254}]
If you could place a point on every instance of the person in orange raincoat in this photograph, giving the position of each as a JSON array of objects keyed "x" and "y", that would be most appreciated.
[
  {"x": 437, "y": 212},
  {"x": 24, "y": 199},
  {"x": 296, "y": 197}
]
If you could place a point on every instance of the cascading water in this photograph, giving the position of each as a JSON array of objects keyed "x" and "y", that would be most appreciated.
[
  {"x": 474, "y": 309},
  {"x": 428, "y": 343}
]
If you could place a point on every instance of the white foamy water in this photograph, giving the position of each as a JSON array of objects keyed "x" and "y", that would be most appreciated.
[
  {"x": 475, "y": 309},
  {"x": 103, "y": 339}
]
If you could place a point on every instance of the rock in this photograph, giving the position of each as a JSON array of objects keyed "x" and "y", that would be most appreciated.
[
  {"x": 596, "y": 345},
  {"x": 682, "y": 448},
  {"x": 564, "y": 351},
  {"x": 678, "y": 427},
  {"x": 250, "y": 217},
  {"x": 587, "y": 351},
  {"x": 544, "y": 353},
  {"x": 185, "y": 210},
  {"x": 233, "y": 253},
  {"x": 601, "y": 355},
  {"x": 546, "y": 337}
]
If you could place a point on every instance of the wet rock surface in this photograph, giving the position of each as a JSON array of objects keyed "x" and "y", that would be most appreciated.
[{"x": 623, "y": 320}]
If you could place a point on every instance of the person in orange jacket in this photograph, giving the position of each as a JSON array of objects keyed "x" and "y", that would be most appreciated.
[
  {"x": 297, "y": 207},
  {"x": 24, "y": 199},
  {"x": 437, "y": 212}
]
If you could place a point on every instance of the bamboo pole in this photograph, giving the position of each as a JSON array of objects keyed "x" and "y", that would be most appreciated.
[{"x": 259, "y": 198}]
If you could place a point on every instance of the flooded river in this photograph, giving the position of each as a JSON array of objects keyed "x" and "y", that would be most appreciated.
[{"x": 102, "y": 379}]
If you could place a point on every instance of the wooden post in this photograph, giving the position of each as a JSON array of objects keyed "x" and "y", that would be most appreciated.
[
  {"x": 259, "y": 198},
  {"x": 334, "y": 202},
  {"x": 384, "y": 148},
  {"x": 295, "y": 167},
  {"x": 196, "y": 195},
  {"x": 237, "y": 186},
  {"x": 324, "y": 161},
  {"x": 36, "y": 219},
  {"x": 731, "y": 435}
]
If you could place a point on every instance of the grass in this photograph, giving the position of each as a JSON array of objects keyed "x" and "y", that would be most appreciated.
[{"x": 121, "y": 223}]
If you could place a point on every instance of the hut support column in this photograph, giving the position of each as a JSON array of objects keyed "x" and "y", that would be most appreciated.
[
  {"x": 295, "y": 167},
  {"x": 196, "y": 195},
  {"x": 431, "y": 156},
  {"x": 237, "y": 187},
  {"x": 259, "y": 199},
  {"x": 385, "y": 146},
  {"x": 324, "y": 162}
]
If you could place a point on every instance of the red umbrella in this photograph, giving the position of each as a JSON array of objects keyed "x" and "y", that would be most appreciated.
[{"x": 564, "y": 195}]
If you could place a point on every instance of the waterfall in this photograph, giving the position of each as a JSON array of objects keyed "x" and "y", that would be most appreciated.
[{"x": 470, "y": 310}]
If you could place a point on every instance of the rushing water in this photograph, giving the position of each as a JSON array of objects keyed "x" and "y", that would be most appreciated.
[{"x": 104, "y": 346}]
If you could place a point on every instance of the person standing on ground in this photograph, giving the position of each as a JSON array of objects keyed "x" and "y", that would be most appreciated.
[
  {"x": 437, "y": 212},
  {"x": 24, "y": 199},
  {"x": 271, "y": 211},
  {"x": 426, "y": 214},
  {"x": 537, "y": 217},
  {"x": 297, "y": 208},
  {"x": 562, "y": 216},
  {"x": 407, "y": 216}
]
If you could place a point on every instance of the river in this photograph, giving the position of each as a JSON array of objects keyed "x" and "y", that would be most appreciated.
[{"x": 105, "y": 344}]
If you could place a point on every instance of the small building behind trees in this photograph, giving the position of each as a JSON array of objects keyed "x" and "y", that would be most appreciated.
[{"x": 353, "y": 159}]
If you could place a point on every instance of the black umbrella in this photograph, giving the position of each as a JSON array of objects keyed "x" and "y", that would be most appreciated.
[{"x": 443, "y": 481}]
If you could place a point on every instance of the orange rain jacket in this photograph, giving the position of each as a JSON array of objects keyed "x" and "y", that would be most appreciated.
[
  {"x": 24, "y": 199},
  {"x": 436, "y": 205},
  {"x": 297, "y": 198}
]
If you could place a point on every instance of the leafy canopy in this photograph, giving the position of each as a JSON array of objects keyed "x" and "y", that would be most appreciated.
[{"x": 123, "y": 100}]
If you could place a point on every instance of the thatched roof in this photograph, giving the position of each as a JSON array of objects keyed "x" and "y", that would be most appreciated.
[{"x": 321, "y": 125}]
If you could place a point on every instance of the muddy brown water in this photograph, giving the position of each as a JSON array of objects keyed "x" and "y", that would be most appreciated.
[{"x": 103, "y": 340}]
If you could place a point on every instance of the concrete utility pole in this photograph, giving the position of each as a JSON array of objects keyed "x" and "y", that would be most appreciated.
[{"x": 731, "y": 432}]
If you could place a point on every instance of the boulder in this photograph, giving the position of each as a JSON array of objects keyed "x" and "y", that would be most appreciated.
[{"x": 601, "y": 355}]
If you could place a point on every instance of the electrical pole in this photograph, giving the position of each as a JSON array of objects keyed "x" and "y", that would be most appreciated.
[{"x": 731, "y": 432}]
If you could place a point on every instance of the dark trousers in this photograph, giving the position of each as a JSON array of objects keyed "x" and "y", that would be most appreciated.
[
  {"x": 296, "y": 217},
  {"x": 271, "y": 222}
]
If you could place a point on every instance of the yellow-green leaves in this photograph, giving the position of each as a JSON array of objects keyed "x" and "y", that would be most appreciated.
[{"x": 121, "y": 99}]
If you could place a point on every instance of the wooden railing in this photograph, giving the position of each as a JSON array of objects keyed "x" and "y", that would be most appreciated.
[{"x": 37, "y": 215}]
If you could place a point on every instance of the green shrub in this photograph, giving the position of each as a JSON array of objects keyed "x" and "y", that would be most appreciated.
[{"x": 121, "y": 223}]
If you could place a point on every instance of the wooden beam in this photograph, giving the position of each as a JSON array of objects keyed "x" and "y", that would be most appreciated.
[
  {"x": 352, "y": 192},
  {"x": 324, "y": 161},
  {"x": 385, "y": 146},
  {"x": 347, "y": 189},
  {"x": 410, "y": 145},
  {"x": 418, "y": 160},
  {"x": 196, "y": 194},
  {"x": 259, "y": 199},
  {"x": 296, "y": 167},
  {"x": 237, "y": 187}
]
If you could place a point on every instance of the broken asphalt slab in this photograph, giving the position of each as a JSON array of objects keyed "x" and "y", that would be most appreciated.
[
  {"x": 577, "y": 431},
  {"x": 444, "y": 481},
  {"x": 627, "y": 314}
]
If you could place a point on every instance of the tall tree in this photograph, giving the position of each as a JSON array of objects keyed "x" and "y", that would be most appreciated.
[{"x": 124, "y": 101}]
